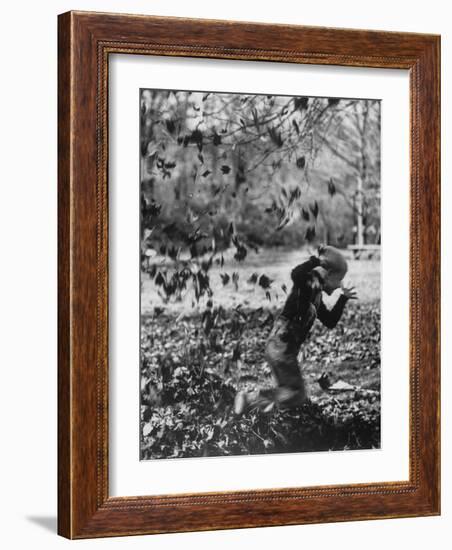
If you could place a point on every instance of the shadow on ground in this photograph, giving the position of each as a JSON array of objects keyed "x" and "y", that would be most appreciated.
[{"x": 49, "y": 523}]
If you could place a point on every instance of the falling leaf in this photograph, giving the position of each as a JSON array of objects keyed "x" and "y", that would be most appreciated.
[
  {"x": 271, "y": 208},
  {"x": 253, "y": 279},
  {"x": 310, "y": 234},
  {"x": 315, "y": 209},
  {"x": 170, "y": 126},
  {"x": 197, "y": 138},
  {"x": 241, "y": 252},
  {"x": 331, "y": 187},
  {"x": 305, "y": 214},
  {"x": 275, "y": 136},
  {"x": 235, "y": 280},
  {"x": 216, "y": 139},
  {"x": 283, "y": 223},
  {"x": 265, "y": 282},
  {"x": 294, "y": 195},
  {"x": 301, "y": 162}
]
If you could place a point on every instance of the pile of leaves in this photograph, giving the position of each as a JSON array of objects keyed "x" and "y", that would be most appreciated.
[
  {"x": 192, "y": 431},
  {"x": 192, "y": 367}
]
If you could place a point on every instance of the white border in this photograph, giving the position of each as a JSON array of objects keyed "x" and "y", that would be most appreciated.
[{"x": 129, "y": 476}]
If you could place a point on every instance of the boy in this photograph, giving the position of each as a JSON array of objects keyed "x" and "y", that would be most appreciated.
[{"x": 303, "y": 305}]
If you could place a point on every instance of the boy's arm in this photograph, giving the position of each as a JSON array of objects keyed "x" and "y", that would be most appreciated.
[
  {"x": 301, "y": 271},
  {"x": 299, "y": 277},
  {"x": 330, "y": 317}
]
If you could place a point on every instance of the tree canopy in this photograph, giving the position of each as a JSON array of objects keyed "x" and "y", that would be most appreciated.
[{"x": 222, "y": 171}]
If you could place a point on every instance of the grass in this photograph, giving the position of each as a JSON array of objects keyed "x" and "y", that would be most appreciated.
[{"x": 276, "y": 264}]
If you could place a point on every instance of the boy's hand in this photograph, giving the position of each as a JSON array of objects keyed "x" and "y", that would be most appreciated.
[
  {"x": 349, "y": 292},
  {"x": 323, "y": 261},
  {"x": 315, "y": 260}
]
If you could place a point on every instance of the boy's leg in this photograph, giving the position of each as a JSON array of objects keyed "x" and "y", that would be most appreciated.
[
  {"x": 290, "y": 389},
  {"x": 281, "y": 354},
  {"x": 261, "y": 399}
]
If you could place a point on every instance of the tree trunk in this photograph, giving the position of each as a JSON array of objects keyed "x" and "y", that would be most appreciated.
[{"x": 359, "y": 212}]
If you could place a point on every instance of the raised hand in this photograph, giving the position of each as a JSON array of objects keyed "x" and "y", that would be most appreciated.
[{"x": 349, "y": 292}]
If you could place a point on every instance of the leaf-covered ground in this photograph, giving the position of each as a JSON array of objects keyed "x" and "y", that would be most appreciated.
[{"x": 193, "y": 365}]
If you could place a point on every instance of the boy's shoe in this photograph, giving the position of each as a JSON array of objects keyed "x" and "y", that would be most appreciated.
[
  {"x": 289, "y": 398},
  {"x": 266, "y": 400},
  {"x": 246, "y": 400},
  {"x": 240, "y": 403}
]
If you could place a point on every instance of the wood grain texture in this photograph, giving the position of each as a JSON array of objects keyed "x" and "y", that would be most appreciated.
[
  {"x": 64, "y": 296},
  {"x": 85, "y": 42}
]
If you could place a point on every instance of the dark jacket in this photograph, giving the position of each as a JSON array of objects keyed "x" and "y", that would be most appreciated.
[{"x": 304, "y": 305}]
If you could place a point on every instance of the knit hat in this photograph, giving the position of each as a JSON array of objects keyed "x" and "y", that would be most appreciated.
[{"x": 334, "y": 262}]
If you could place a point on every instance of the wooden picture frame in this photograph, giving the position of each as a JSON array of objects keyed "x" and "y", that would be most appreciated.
[{"x": 85, "y": 42}]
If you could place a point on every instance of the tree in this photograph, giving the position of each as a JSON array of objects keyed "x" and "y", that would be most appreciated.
[
  {"x": 354, "y": 138},
  {"x": 233, "y": 170}
]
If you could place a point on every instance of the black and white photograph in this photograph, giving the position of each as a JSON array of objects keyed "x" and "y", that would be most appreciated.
[
  {"x": 260, "y": 239},
  {"x": 224, "y": 236}
]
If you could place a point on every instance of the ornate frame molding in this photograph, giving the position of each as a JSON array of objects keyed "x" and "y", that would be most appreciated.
[{"x": 85, "y": 42}]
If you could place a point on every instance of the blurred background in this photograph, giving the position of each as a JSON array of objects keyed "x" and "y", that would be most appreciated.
[{"x": 247, "y": 184}]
